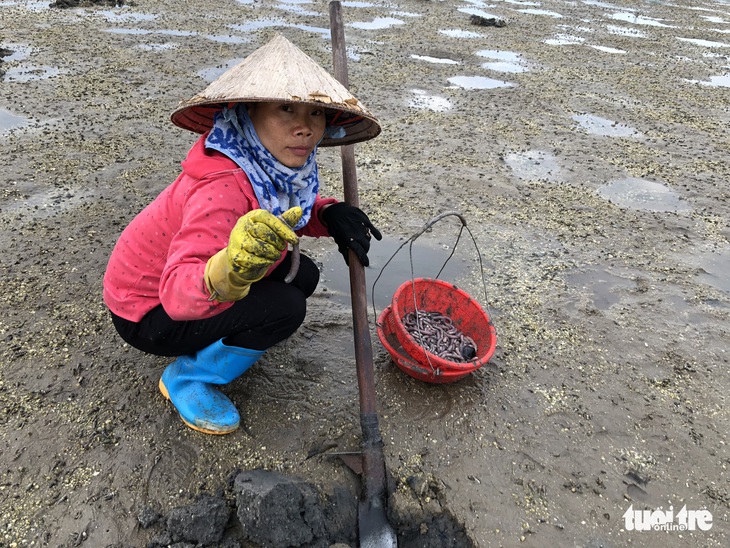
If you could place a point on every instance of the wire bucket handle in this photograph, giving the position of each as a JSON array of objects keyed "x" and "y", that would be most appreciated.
[{"x": 415, "y": 236}]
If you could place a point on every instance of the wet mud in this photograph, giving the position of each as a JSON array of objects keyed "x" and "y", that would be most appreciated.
[{"x": 586, "y": 145}]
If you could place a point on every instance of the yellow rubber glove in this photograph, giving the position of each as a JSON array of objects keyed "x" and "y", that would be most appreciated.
[{"x": 256, "y": 242}]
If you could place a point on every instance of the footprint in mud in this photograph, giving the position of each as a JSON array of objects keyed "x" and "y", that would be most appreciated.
[{"x": 171, "y": 469}]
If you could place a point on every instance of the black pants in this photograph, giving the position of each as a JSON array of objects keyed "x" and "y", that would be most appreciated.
[{"x": 271, "y": 312}]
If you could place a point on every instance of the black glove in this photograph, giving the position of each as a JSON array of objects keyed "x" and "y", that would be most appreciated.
[{"x": 351, "y": 229}]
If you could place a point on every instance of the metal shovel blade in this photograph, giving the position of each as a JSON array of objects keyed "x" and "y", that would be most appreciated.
[{"x": 375, "y": 531}]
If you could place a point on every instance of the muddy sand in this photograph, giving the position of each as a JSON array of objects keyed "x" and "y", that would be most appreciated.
[{"x": 585, "y": 143}]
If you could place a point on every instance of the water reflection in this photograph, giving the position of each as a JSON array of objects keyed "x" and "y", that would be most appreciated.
[
  {"x": 437, "y": 60},
  {"x": 534, "y": 165},
  {"x": 638, "y": 19},
  {"x": 428, "y": 258},
  {"x": 10, "y": 121},
  {"x": 715, "y": 266},
  {"x": 600, "y": 286},
  {"x": 704, "y": 43},
  {"x": 643, "y": 195},
  {"x": 564, "y": 40},
  {"x": 606, "y": 49},
  {"x": 228, "y": 39},
  {"x": 19, "y": 52},
  {"x": 542, "y": 12},
  {"x": 722, "y": 81},
  {"x": 624, "y": 31},
  {"x": 379, "y": 23},
  {"x": 30, "y": 73},
  {"x": 122, "y": 16},
  {"x": 424, "y": 101},
  {"x": 458, "y": 33},
  {"x": 269, "y": 23},
  {"x": 596, "y": 125},
  {"x": 479, "y": 82},
  {"x": 210, "y": 74},
  {"x": 157, "y": 46},
  {"x": 505, "y": 61}
]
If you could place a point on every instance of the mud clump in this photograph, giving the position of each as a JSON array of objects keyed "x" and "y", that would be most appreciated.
[
  {"x": 270, "y": 509},
  {"x": 275, "y": 510},
  {"x": 480, "y": 21},
  {"x": 265, "y": 508}
]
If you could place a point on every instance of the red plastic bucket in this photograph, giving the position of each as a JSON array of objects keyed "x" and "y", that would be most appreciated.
[
  {"x": 434, "y": 295},
  {"x": 404, "y": 362}
]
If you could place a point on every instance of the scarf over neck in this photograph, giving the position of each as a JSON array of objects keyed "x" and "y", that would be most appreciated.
[{"x": 277, "y": 187}]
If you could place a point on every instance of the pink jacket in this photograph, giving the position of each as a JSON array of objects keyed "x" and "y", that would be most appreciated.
[{"x": 161, "y": 255}]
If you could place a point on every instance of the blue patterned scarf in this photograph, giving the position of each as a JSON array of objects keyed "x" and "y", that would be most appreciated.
[{"x": 277, "y": 187}]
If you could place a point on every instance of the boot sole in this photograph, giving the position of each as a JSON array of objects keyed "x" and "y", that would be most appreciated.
[{"x": 165, "y": 393}]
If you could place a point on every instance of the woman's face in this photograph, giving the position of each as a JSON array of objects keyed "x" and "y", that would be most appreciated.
[{"x": 290, "y": 131}]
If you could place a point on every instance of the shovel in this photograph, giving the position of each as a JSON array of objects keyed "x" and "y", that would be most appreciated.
[{"x": 373, "y": 527}]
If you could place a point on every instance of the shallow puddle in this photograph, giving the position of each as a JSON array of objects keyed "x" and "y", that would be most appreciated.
[
  {"x": 424, "y": 101},
  {"x": 479, "y": 13},
  {"x": 436, "y": 60},
  {"x": 428, "y": 258},
  {"x": 269, "y": 23},
  {"x": 606, "y": 49},
  {"x": 508, "y": 56},
  {"x": 458, "y": 33},
  {"x": 504, "y": 61},
  {"x": 30, "y": 73},
  {"x": 19, "y": 52},
  {"x": 157, "y": 47},
  {"x": 715, "y": 267},
  {"x": 10, "y": 121},
  {"x": 564, "y": 40},
  {"x": 531, "y": 11},
  {"x": 358, "y": 4},
  {"x": 210, "y": 74},
  {"x": 643, "y": 195},
  {"x": 601, "y": 4},
  {"x": 42, "y": 204},
  {"x": 293, "y": 7},
  {"x": 228, "y": 39},
  {"x": 143, "y": 32},
  {"x": 30, "y": 6},
  {"x": 719, "y": 81},
  {"x": 714, "y": 19},
  {"x": 518, "y": 3},
  {"x": 504, "y": 66},
  {"x": 479, "y": 82},
  {"x": 379, "y": 23},
  {"x": 122, "y": 16},
  {"x": 638, "y": 19},
  {"x": 704, "y": 43},
  {"x": 600, "y": 286},
  {"x": 534, "y": 165},
  {"x": 624, "y": 31},
  {"x": 595, "y": 125}
]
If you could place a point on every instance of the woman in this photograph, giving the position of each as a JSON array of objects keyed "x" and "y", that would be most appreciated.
[{"x": 202, "y": 272}]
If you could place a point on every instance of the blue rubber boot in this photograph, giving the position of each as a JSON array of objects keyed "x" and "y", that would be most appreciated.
[{"x": 187, "y": 381}]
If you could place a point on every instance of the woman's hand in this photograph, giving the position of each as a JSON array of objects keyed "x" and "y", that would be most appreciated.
[
  {"x": 256, "y": 242},
  {"x": 351, "y": 229}
]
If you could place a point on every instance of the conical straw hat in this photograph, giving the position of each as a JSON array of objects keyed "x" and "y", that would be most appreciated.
[{"x": 279, "y": 71}]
